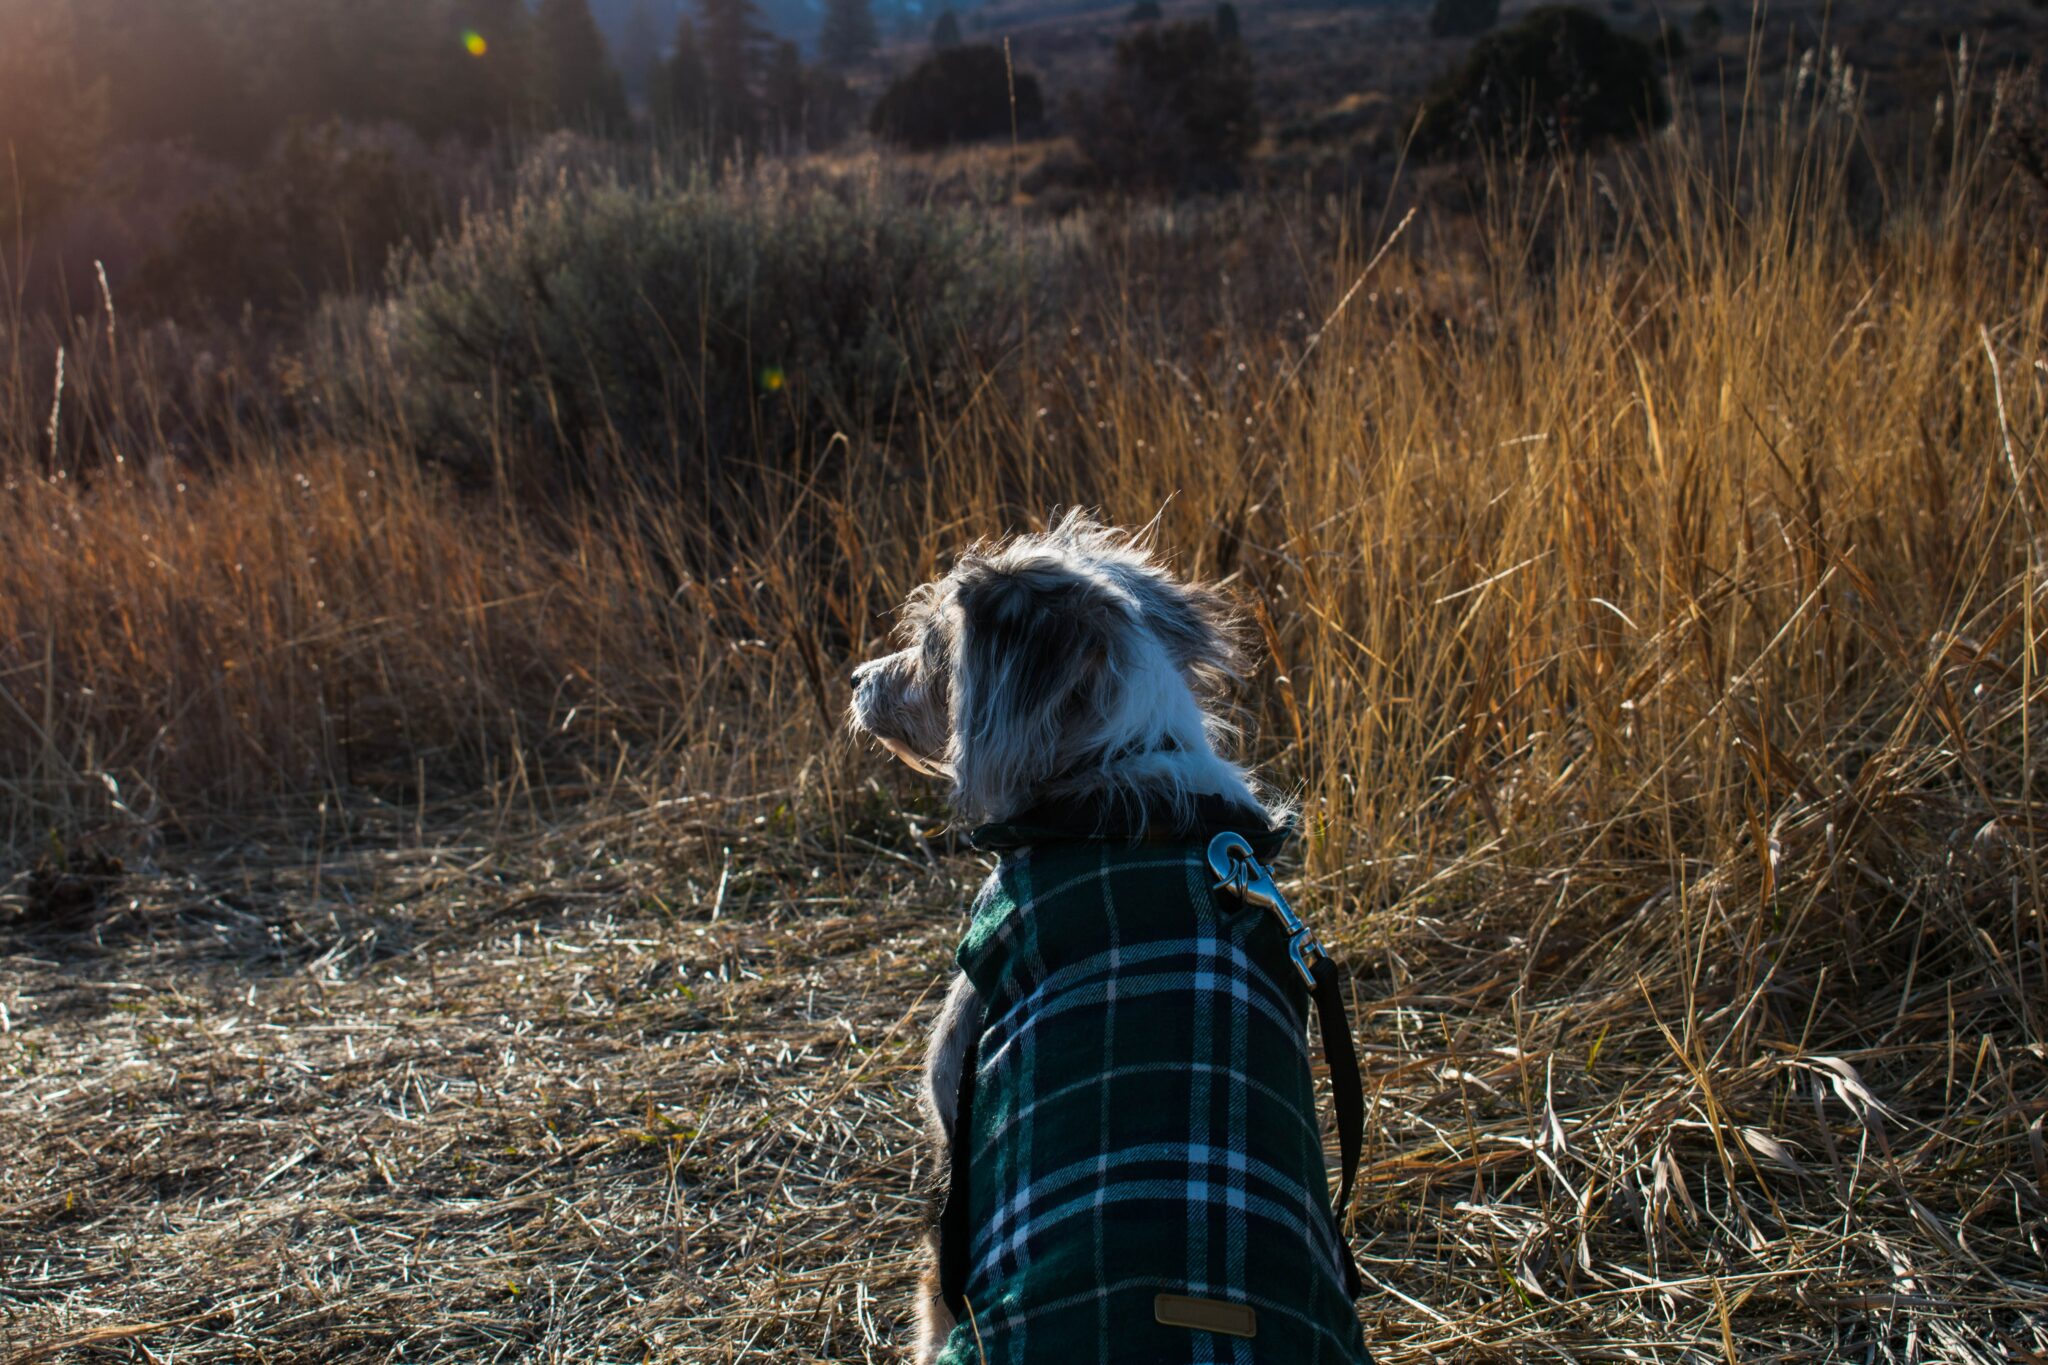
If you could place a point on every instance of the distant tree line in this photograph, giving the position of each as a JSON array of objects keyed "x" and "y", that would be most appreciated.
[
  {"x": 225, "y": 76},
  {"x": 728, "y": 80},
  {"x": 52, "y": 115},
  {"x": 226, "y": 73},
  {"x": 1176, "y": 110}
]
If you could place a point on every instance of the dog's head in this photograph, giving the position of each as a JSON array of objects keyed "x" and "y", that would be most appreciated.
[{"x": 1067, "y": 664}]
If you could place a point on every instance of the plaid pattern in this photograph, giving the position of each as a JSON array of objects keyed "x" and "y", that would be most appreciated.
[{"x": 1144, "y": 1121}]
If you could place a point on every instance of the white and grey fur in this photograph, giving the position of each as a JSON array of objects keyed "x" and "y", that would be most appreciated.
[{"x": 1069, "y": 665}]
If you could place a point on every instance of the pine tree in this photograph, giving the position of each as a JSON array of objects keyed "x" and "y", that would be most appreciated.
[
  {"x": 169, "y": 70},
  {"x": 957, "y": 94},
  {"x": 1179, "y": 113},
  {"x": 489, "y": 80},
  {"x": 1227, "y": 27},
  {"x": 730, "y": 40},
  {"x": 388, "y": 62},
  {"x": 849, "y": 32},
  {"x": 681, "y": 97},
  {"x": 785, "y": 92},
  {"x": 579, "y": 85},
  {"x": 946, "y": 31},
  {"x": 1462, "y": 18},
  {"x": 640, "y": 49}
]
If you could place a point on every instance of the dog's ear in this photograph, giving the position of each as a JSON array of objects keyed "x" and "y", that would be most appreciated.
[
  {"x": 1198, "y": 627},
  {"x": 1034, "y": 653}
]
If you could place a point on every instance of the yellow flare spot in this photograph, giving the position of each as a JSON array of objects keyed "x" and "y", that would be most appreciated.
[
  {"x": 474, "y": 43},
  {"x": 772, "y": 379}
]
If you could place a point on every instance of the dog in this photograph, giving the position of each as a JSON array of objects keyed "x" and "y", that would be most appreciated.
[{"x": 1118, "y": 1080}]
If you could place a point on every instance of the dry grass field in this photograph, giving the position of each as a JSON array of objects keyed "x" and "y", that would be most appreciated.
[{"x": 444, "y": 923}]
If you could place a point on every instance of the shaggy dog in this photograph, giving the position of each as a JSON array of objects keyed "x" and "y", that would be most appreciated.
[{"x": 1069, "y": 688}]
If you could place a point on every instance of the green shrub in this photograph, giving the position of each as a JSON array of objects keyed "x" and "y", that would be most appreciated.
[
  {"x": 1560, "y": 79},
  {"x": 957, "y": 94},
  {"x": 1178, "y": 111},
  {"x": 688, "y": 336},
  {"x": 1463, "y": 18}
]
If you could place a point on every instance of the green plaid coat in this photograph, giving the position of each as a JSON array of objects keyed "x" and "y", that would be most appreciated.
[{"x": 1144, "y": 1121}]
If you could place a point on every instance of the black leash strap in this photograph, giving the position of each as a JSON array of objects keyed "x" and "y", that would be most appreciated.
[
  {"x": 954, "y": 1234},
  {"x": 1347, "y": 1097}
]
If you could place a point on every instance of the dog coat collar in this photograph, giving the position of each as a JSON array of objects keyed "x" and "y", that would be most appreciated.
[{"x": 1118, "y": 820}]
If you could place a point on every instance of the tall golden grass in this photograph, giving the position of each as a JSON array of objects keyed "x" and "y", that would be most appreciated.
[{"x": 1674, "y": 513}]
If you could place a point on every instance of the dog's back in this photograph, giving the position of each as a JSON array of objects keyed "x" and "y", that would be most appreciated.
[{"x": 1143, "y": 1121}]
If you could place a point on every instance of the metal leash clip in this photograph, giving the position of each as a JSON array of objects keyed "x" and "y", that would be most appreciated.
[{"x": 1243, "y": 876}]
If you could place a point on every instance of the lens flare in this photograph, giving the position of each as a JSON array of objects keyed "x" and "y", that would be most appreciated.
[
  {"x": 474, "y": 42},
  {"x": 772, "y": 379}
]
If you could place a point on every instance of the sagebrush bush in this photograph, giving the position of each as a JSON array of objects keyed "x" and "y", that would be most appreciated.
[
  {"x": 683, "y": 333},
  {"x": 1559, "y": 80},
  {"x": 957, "y": 94}
]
